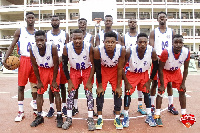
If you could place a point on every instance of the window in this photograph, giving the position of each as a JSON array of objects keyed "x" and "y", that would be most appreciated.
[
  {"x": 144, "y": 15},
  {"x": 119, "y": 0},
  {"x": 155, "y": 15},
  {"x": 184, "y": 15},
  {"x": 60, "y": 1},
  {"x": 62, "y": 16},
  {"x": 172, "y": 15},
  {"x": 119, "y": 15},
  {"x": 197, "y": 32},
  {"x": 199, "y": 47},
  {"x": 129, "y": 15},
  {"x": 185, "y": 32},
  {"x": 191, "y": 47},
  {"x": 74, "y": 16},
  {"x": 145, "y": 30}
]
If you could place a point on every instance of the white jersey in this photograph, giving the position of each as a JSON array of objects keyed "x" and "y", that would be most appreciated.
[
  {"x": 87, "y": 38},
  {"x": 138, "y": 65},
  {"x": 107, "y": 61},
  {"x": 129, "y": 40},
  {"x": 45, "y": 61},
  {"x": 26, "y": 40},
  {"x": 162, "y": 40},
  {"x": 174, "y": 64},
  {"x": 79, "y": 61},
  {"x": 101, "y": 36},
  {"x": 58, "y": 40}
]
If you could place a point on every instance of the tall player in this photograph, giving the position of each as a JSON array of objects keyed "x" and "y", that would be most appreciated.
[
  {"x": 109, "y": 61},
  {"x": 128, "y": 40},
  {"x": 169, "y": 71},
  {"x": 24, "y": 37},
  {"x": 44, "y": 58},
  {"x": 80, "y": 56},
  {"x": 160, "y": 39},
  {"x": 59, "y": 38}
]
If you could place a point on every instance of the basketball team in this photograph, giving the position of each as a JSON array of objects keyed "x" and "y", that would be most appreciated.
[{"x": 45, "y": 58}]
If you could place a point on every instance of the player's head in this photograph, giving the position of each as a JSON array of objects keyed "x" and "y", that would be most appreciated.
[
  {"x": 40, "y": 39},
  {"x": 132, "y": 23},
  {"x": 177, "y": 43},
  {"x": 82, "y": 24},
  {"x": 110, "y": 41},
  {"x": 55, "y": 21},
  {"x": 77, "y": 38},
  {"x": 108, "y": 21},
  {"x": 30, "y": 18},
  {"x": 162, "y": 18},
  {"x": 142, "y": 41}
]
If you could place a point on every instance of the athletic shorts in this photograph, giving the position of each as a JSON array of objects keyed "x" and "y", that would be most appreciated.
[
  {"x": 137, "y": 79},
  {"x": 79, "y": 76},
  {"x": 63, "y": 78},
  {"x": 46, "y": 76},
  {"x": 25, "y": 71},
  {"x": 172, "y": 76}
]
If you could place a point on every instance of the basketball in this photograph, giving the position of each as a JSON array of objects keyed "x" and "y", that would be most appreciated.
[{"x": 13, "y": 62}]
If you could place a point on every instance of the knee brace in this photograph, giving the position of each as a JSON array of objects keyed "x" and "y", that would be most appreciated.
[
  {"x": 90, "y": 100},
  {"x": 70, "y": 100},
  {"x": 99, "y": 102},
  {"x": 147, "y": 100},
  {"x": 117, "y": 102},
  {"x": 33, "y": 87},
  {"x": 127, "y": 100}
]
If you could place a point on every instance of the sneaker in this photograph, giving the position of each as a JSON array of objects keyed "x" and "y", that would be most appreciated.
[
  {"x": 64, "y": 111},
  {"x": 125, "y": 121},
  {"x": 38, "y": 120},
  {"x": 95, "y": 114},
  {"x": 59, "y": 120},
  {"x": 152, "y": 110},
  {"x": 91, "y": 125},
  {"x": 19, "y": 117},
  {"x": 67, "y": 123},
  {"x": 141, "y": 110},
  {"x": 74, "y": 111},
  {"x": 35, "y": 112},
  {"x": 99, "y": 123},
  {"x": 172, "y": 109},
  {"x": 158, "y": 120},
  {"x": 150, "y": 121},
  {"x": 32, "y": 104},
  {"x": 51, "y": 112},
  {"x": 117, "y": 123}
]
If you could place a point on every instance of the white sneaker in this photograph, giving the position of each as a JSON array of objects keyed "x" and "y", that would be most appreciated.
[
  {"x": 19, "y": 117},
  {"x": 32, "y": 104},
  {"x": 44, "y": 114}
]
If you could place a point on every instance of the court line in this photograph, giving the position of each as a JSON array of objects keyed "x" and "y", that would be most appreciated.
[{"x": 4, "y": 92}]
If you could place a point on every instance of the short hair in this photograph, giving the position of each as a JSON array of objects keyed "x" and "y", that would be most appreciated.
[
  {"x": 82, "y": 19},
  {"x": 54, "y": 16},
  {"x": 177, "y": 36},
  {"x": 142, "y": 35},
  {"x": 30, "y": 13},
  {"x": 77, "y": 31},
  {"x": 110, "y": 34},
  {"x": 161, "y": 13},
  {"x": 40, "y": 33},
  {"x": 108, "y": 16}
]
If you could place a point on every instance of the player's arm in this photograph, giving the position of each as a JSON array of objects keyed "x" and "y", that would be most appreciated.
[
  {"x": 56, "y": 65},
  {"x": 123, "y": 41},
  {"x": 119, "y": 39},
  {"x": 67, "y": 38},
  {"x": 97, "y": 40},
  {"x": 151, "y": 38},
  {"x": 92, "y": 40},
  {"x": 11, "y": 48}
]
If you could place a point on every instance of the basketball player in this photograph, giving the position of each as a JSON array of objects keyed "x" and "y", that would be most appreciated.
[
  {"x": 59, "y": 38},
  {"x": 169, "y": 71},
  {"x": 80, "y": 56},
  {"x": 160, "y": 39},
  {"x": 139, "y": 58},
  {"x": 109, "y": 60},
  {"x": 44, "y": 58},
  {"x": 24, "y": 37}
]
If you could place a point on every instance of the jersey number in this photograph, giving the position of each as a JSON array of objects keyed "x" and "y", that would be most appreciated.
[
  {"x": 58, "y": 47},
  {"x": 164, "y": 45},
  {"x": 138, "y": 70},
  {"x": 173, "y": 68},
  {"x": 80, "y": 66},
  {"x": 46, "y": 65},
  {"x": 28, "y": 46}
]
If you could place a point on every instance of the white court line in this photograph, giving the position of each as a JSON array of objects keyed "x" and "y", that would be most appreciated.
[
  {"x": 17, "y": 95},
  {"x": 4, "y": 92},
  {"x": 185, "y": 92}
]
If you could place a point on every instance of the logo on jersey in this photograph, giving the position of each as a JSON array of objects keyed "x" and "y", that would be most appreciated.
[
  {"x": 85, "y": 57},
  {"x": 59, "y": 40},
  {"x": 168, "y": 36},
  {"x": 48, "y": 58},
  {"x": 145, "y": 63},
  {"x": 181, "y": 62}
]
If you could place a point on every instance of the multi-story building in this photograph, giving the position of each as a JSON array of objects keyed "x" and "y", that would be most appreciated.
[{"x": 183, "y": 16}]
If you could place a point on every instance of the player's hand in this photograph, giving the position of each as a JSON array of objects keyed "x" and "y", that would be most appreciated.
[
  {"x": 70, "y": 86},
  {"x": 100, "y": 90},
  {"x": 147, "y": 85},
  {"x": 40, "y": 86},
  {"x": 161, "y": 89},
  {"x": 182, "y": 87},
  {"x": 118, "y": 91},
  {"x": 6, "y": 66},
  {"x": 89, "y": 86},
  {"x": 54, "y": 85},
  {"x": 128, "y": 86}
]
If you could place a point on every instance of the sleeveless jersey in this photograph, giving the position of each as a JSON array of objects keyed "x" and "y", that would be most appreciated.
[
  {"x": 174, "y": 64},
  {"x": 101, "y": 36},
  {"x": 138, "y": 65},
  {"x": 87, "y": 38},
  {"x": 129, "y": 40},
  {"x": 45, "y": 61},
  {"x": 58, "y": 40},
  {"x": 81, "y": 61},
  {"x": 107, "y": 61},
  {"x": 162, "y": 40},
  {"x": 26, "y": 40}
]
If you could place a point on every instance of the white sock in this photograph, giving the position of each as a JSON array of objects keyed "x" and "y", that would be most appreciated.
[
  {"x": 152, "y": 99},
  {"x": 148, "y": 110},
  {"x": 183, "y": 111},
  {"x": 140, "y": 95},
  {"x": 34, "y": 104},
  {"x": 157, "y": 111},
  {"x": 52, "y": 105},
  {"x": 64, "y": 104},
  {"x": 21, "y": 106},
  {"x": 125, "y": 112},
  {"x": 69, "y": 113},
  {"x": 117, "y": 116},
  {"x": 90, "y": 114},
  {"x": 170, "y": 100},
  {"x": 58, "y": 113},
  {"x": 99, "y": 116},
  {"x": 75, "y": 103},
  {"x": 139, "y": 102}
]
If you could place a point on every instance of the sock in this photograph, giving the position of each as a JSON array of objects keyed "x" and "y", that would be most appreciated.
[
  {"x": 170, "y": 100},
  {"x": 58, "y": 113},
  {"x": 125, "y": 112},
  {"x": 99, "y": 116},
  {"x": 34, "y": 104},
  {"x": 69, "y": 113},
  {"x": 139, "y": 102},
  {"x": 183, "y": 111},
  {"x": 51, "y": 105},
  {"x": 21, "y": 106},
  {"x": 75, "y": 103},
  {"x": 152, "y": 100},
  {"x": 148, "y": 110},
  {"x": 90, "y": 114},
  {"x": 117, "y": 116},
  {"x": 64, "y": 104},
  {"x": 157, "y": 111},
  {"x": 140, "y": 95}
]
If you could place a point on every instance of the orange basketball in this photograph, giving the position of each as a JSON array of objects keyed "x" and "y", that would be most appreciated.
[{"x": 13, "y": 62}]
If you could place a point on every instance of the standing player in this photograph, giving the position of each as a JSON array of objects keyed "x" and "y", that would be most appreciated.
[
  {"x": 129, "y": 40},
  {"x": 25, "y": 38},
  {"x": 59, "y": 38},
  {"x": 139, "y": 57},
  {"x": 161, "y": 38},
  {"x": 109, "y": 61},
  {"x": 44, "y": 58},
  {"x": 80, "y": 56},
  {"x": 108, "y": 27},
  {"x": 169, "y": 71}
]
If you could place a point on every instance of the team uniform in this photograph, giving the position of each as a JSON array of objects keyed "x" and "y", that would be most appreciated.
[
  {"x": 101, "y": 36},
  {"x": 129, "y": 40},
  {"x": 87, "y": 38},
  {"x": 46, "y": 67},
  {"x": 59, "y": 41}
]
